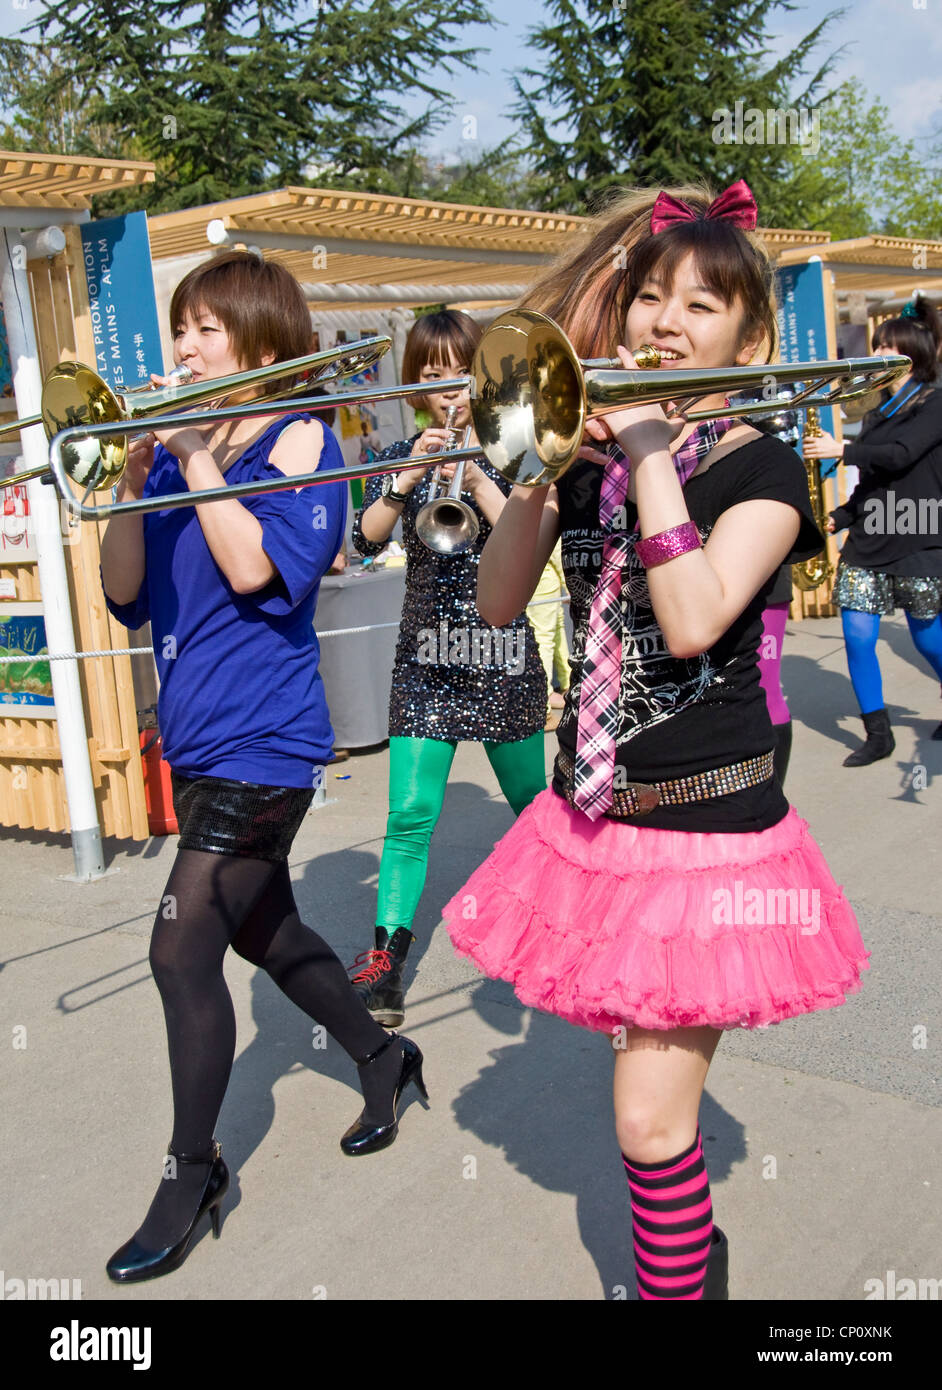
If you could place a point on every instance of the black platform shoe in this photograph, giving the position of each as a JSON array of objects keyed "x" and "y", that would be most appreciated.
[
  {"x": 379, "y": 982},
  {"x": 366, "y": 1138},
  {"x": 716, "y": 1282},
  {"x": 880, "y": 741},
  {"x": 133, "y": 1262}
]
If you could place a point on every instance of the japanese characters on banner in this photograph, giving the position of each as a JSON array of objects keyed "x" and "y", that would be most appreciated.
[
  {"x": 123, "y": 305},
  {"x": 802, "y": 325}
]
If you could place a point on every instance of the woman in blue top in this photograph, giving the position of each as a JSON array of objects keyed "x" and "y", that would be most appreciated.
[{"x": 229, "y": 588}]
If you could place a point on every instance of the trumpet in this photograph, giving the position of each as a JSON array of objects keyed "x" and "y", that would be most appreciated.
[
  {"x": 531, "y": 396},
  {"x": 74, "y": 395},
  {"x": 446, "y": 524}
]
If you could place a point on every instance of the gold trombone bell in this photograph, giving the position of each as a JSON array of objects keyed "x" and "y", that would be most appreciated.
[{"x": 532, "y": 394}]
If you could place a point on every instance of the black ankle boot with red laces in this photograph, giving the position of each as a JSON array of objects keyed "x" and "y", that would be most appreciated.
[{"x": 379, "y": 980}]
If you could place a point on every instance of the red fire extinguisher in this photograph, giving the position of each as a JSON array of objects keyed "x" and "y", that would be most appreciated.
[{"x": 157, "y": 790}]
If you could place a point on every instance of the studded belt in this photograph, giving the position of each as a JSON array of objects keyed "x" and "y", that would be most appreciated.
[{"x": 638, "y": 798}]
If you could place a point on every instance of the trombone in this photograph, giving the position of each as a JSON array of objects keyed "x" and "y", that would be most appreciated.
[
  {"x": 74, "y": 395},
  {"x": 534, "y": 395},
  {"x": 531, "y": 396}
]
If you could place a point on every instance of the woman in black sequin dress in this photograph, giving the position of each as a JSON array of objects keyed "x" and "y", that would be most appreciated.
[{"x": 455, "y": 677}]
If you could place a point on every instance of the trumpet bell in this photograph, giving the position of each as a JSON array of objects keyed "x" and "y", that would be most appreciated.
[
  {"x": 75, "y": 395},
  {"x": 447, "y": 526},
  {"x": 528, "y": 398}
]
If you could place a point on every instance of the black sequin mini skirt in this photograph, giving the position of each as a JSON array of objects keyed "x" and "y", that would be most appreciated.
[
  {"x": 872, "y": 591},
  {"x": 240, "y": 818}
]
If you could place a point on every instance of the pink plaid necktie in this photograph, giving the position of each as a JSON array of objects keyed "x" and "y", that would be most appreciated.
[{"x": 601, "y": 665}]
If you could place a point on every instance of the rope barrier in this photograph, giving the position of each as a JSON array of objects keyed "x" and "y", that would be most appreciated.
[{"x": 144, "y": 651}]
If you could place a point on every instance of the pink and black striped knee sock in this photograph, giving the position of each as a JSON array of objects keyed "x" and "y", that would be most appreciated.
[{"x": 672, "y": 1223}]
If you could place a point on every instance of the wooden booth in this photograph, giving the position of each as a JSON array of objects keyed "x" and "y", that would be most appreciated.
[{"x": 43, "y": 201}]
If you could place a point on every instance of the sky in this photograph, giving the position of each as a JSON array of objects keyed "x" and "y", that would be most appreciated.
[{"x": 893, "y": 46}]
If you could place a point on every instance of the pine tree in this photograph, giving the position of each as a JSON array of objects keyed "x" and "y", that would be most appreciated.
[
  {"x": 232, "y": 97},
  {"x": 634, "y": 91}
]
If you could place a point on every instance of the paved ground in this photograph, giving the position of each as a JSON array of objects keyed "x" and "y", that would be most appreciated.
[{"x": 509, "y": 1185}]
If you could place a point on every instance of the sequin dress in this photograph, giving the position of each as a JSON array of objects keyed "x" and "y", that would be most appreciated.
[{"x": 455, "y": 676}]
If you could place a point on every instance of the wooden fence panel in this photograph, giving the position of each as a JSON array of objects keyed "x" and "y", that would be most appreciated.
[{"x": 32, "y": 787}]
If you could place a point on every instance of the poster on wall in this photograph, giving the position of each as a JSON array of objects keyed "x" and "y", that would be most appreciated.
[
  {"x": 360, "y": 423},
  {"x": 7, "y": 403},
  {"x": 26, "y": 680},
  {"x": 123, "y": 305},
  {"x": 17, "y": 543}
]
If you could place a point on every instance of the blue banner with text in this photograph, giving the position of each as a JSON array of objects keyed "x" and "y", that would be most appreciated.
[
  {"x": 802, "y": 325},
  {"x": 116, "y": 255}
]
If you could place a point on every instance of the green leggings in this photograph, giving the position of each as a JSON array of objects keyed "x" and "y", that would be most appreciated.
[{"x": 418, "y": 773}]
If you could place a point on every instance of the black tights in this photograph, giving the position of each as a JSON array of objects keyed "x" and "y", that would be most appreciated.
[{"x": 212, "y": 901}]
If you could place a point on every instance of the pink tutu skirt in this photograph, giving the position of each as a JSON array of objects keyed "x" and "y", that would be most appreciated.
[{"x": 609, "y": 924}]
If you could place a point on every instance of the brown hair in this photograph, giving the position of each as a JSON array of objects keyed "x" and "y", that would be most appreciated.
[
  {"x": 259, "y": 303},
  {"x": 435, "y": 340},
  {"x": 918, "y": 336},
  {"x": 590, "y": 290}
]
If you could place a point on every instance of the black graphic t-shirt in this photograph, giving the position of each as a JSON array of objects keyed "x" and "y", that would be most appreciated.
[{"x": 678, "y": 716}]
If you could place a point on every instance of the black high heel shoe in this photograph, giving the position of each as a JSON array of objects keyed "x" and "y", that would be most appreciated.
[
  {"x": 365, "y": 1138},
  {"x": 133, "y": 1262}
]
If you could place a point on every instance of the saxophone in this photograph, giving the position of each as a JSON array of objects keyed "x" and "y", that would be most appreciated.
[{"x": 811, "y": 574}]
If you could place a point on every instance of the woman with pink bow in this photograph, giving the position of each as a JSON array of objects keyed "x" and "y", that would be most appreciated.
[{"x": 662, "y": 889}]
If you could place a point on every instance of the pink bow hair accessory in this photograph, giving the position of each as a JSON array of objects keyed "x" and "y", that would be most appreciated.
[{"x": 735, "y": 204}]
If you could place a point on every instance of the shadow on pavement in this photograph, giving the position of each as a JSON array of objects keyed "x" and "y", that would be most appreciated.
[{"x": 545, "y": 1102}]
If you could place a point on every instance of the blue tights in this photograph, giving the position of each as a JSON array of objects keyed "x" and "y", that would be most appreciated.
[{"x": 860, "y": 636}]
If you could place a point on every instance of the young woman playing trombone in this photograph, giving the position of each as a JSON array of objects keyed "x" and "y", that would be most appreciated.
[
  {"x": 662, "y": 890},
  {"x": 229, "y": 588}
]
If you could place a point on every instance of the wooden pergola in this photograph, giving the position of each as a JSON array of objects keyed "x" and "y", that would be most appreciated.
[
  {"x": 63, "y": 183},
  {"x": 336, "y": 237}
]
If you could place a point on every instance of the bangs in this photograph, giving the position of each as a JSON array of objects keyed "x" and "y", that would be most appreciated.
[
  {"x": 718, "y": 252},
  {"x": 437, "y": 339},
  {"x": 186, "y": 305},
  {"x": 259, "y": 304}
]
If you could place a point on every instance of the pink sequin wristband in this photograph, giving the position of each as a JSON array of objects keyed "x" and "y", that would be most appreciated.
[{"x": 667, "y": 545}]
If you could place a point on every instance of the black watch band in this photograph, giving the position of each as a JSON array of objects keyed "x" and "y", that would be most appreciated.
[{"x": 391, "y": 493}]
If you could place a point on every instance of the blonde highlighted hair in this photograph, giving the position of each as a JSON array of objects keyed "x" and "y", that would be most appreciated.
[{"x": 589, "y": 290}]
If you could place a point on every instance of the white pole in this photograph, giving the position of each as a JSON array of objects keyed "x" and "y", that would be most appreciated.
[{"x": 57, "y": 614}]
